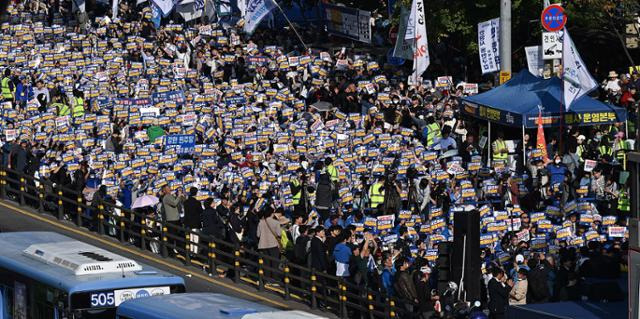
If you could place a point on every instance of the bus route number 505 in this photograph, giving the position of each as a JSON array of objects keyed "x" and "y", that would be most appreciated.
[{"x": 103, "y": 299}]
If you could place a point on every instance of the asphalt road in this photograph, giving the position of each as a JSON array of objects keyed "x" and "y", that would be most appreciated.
[{"x": 16, "y": 218}]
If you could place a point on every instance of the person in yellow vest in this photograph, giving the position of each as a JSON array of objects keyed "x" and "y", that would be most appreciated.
[
  {"x": 433, "y": 130},
  {"x": 296, "y": 187},
  {"x": 376, "y": 193},
  {"x": 624, "y": 205},
  {"x": 605, "y": 152},
  {"x": 62, "y": 108},
  {"x": 331, "y": 170},
  {"x": 8, "y": 87},
  {"x": 500, "y": 151},
  {"x": 620, "y": 147},
  {"x": 78, "y": 103}
]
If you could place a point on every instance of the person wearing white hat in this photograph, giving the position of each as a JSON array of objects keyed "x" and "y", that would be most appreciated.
[{"x": 612, "y": 84}]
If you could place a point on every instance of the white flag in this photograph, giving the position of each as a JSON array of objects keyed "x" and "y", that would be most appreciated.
[
  {"x": 164, "y": 5},
  {"x": 78, "y": 5},
  {"x": 417, "y": 30},
  {"x": 190, "y": 9},
  {"x": 255, "y": 11},
  {"x": 114, "y": 9},
  {"x": 242, "y": 6},
  {"x": 576, "y": 77},
  {"x": 403, "y": 48}
]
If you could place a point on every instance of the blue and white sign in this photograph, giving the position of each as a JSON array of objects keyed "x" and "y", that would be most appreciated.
[
  {"x": 185, "y": 143},
  {"x": 394, "y": 60},
  {"x": 173, "y": 96},
  {"x": 255, "y": 11},
  {"x": 123, "y": 295}
]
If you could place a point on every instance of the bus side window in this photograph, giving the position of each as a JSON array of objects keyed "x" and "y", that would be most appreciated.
[{"x": 7, "y": 301}]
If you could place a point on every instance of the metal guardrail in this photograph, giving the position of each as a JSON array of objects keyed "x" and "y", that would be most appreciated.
[{"x": 213, "y": 255}]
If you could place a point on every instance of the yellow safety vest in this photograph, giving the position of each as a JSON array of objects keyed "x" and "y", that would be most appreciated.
[
  {"x": 78, "y": 107},
  {"x": 605, "y": 150},
  {"x": 497, "y": 156},
  {"x": 580, "y": 151},
  {"x": 622, "y": 146},
  {"x": 296, "y": 197},
  {"x": 376, "y": 195},
  {"x": 63, "y": 109},
  {"x": 432, "y": 133},
  {"x": 7, "y": 93},
  {"x": 623, "y": 201},
  {"x": 333, "y": 173}
]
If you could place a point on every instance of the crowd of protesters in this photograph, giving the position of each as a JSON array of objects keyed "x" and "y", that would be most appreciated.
[{"x": 324, "y": 157}]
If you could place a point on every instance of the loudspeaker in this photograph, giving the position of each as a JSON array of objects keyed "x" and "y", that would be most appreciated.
[
  {"x": 443, "y": 265},
  {"x": 467, "y": 224}
]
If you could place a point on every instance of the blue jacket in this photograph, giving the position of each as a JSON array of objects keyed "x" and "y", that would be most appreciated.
[
  {"x": 387, "y": 281},
  {"x": 24, "y": 93},
  {"x": 125, "y": 197}
]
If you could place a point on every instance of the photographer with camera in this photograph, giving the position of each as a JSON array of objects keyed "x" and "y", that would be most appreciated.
[{"x": 392, "y": 190}]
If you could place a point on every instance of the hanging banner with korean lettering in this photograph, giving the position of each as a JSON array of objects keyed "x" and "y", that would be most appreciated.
[
  {"x": 403, "y": 47},
  {"x": 348, "y": 22},
  {"x": 534, "y": 59},
  {"x": 489, "y": 45},
  {"x": 184, "y": 143}
]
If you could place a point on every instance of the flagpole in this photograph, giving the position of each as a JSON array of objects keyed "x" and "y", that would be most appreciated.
[
  {"x": 291, "y": 24},
  {"x": 562, "y": 102},
  {"x": 524, "y": 149}
]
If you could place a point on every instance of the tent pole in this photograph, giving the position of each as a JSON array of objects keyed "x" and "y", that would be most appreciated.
[
  {"x": 524, "y": 150},
  {"x": 489, "y": 145},
  {"x": 626, "y": 128}
]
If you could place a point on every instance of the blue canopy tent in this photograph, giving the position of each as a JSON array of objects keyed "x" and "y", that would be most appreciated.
[{"x": 516, "y": 102}]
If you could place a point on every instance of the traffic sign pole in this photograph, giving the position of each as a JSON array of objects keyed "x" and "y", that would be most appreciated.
[{"x": 505, "y": 38}]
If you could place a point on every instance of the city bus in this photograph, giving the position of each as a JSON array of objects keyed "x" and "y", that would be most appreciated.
[
  {"x": 48, "y": 275},
  {"x": 203, "y": 306}
]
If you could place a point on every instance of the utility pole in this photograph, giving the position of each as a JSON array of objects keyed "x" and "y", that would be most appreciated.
[{"x": 505, "y": 40}]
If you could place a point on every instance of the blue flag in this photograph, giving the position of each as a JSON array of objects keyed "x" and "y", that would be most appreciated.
[{"x": 156, "y": 16}]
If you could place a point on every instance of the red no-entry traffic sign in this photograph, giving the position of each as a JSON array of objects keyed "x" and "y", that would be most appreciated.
[{"x": 553, "y": 18}]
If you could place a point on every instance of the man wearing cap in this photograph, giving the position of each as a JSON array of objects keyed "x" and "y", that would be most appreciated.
[{"x": 426, "y": 296}]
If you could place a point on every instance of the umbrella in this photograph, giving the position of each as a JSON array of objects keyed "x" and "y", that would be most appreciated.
[
  {"x": 145, "y": 201},
  {"x": 322, "y": 106}
]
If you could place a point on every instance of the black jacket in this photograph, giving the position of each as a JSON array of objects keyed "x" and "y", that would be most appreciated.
[
  {"x": 300, "y": 250},
  {"x": 538, "y": 288},
  {"x": 192, "y": 212},
  {"x": 498, "y": 297},
  {"x": 212, "y": 224},
  {"x": 404, "y": 286},
  {"x": 318, "y": 254}
]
